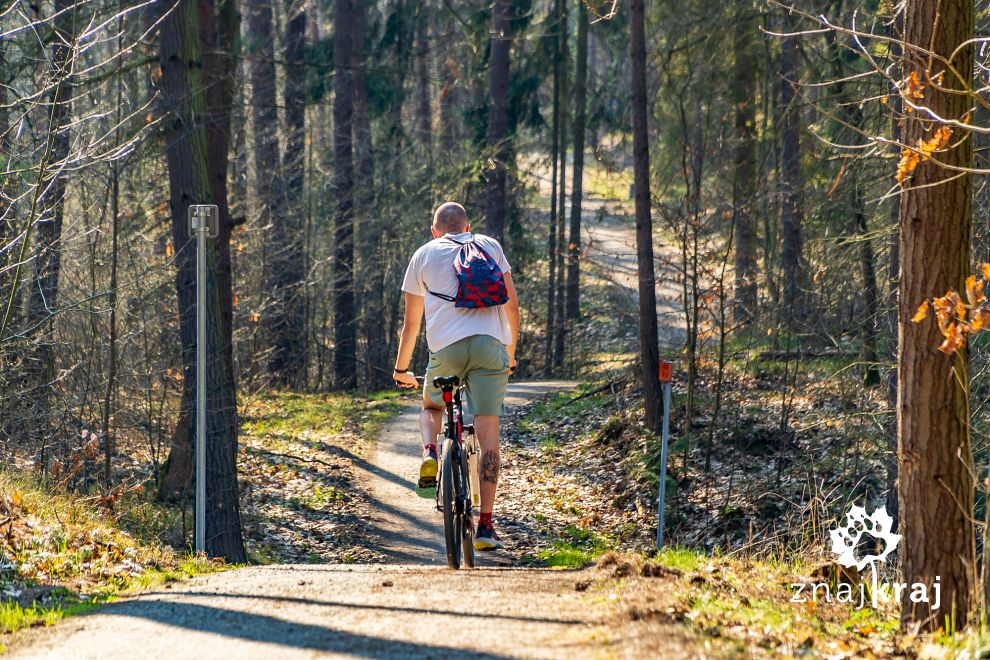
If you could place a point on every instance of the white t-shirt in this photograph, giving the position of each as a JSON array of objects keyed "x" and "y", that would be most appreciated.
[{"x": 432, "y": 269}]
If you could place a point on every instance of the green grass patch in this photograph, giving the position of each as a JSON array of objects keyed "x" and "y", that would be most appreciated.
[
  {"x": 302, "y": 414},
  {"x": 576, "y": 548},
  {"x": 682, "y": 559},
  {"x": 544, "y": 415},
  {"x": 66, "y": 554}
]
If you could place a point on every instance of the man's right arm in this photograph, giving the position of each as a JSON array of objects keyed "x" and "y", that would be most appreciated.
[{"x": 411, "y": 324}]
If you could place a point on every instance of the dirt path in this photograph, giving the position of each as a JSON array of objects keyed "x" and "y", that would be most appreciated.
[
  {"x": 609, "y": 239},
  {"x": 413, "y": 608},
  {"x": 411, "y": 531}
]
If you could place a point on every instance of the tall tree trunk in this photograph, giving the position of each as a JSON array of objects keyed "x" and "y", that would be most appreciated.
[
  {"x": 219, "y": 28},
  {"x": 893, "y": 278},
  {"x": 498, "y": 88},
  {"x": 853, "y": 116},
  {"x": 6, "y": 219},
  {"x": 368, "y": 266},
  {"x": 791, "y": 193},
  {"x": 424, "y": 113},
  {"x": 448, "y": 69},
  {"x": 573, "y": 305},
  {"x": 345, "y": 366},
  {"x": 266, "y": 157},
  {"x": 560, "y": 331},
  {"x": 744, "y": 308},
  {"x": 189, "y": 183},
  {"x": 649, "y": 352},
  {"x": 936, "y": 482},
  {"x": 288, "y": 261},
  {"x": 555, "y": 160}
]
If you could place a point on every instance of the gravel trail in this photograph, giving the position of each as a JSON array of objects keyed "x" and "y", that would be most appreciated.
[{"x": 413, "y": 608}]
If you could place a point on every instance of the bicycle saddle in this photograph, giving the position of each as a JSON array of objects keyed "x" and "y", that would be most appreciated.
[{"x": 446, "y": 382}]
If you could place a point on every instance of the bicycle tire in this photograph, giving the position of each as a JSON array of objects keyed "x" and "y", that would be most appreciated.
[
  {"x": 452, "y": 523},
  {"x": 467, "y": 521}
]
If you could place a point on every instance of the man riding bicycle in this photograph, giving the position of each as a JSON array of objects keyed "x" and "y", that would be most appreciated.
[{"x": 466, "y": 338}]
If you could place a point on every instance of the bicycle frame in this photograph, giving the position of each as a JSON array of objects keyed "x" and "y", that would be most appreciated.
[
  {"x": 453, "y": 431},
  {"x": 455, "y": 487}
]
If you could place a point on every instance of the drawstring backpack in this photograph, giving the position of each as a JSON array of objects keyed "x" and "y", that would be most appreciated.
[{"x": 480, "y": 282}]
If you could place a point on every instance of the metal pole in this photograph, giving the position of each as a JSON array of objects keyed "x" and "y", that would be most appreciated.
[
  {"x": 663, "y": 462},
  {"x": 201, "y": 227}
]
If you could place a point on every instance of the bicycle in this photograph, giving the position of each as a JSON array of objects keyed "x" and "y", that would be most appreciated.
[{"x": 458, "y": 487}]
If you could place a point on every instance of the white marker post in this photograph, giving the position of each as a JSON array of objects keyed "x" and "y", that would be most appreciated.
[
  {"x": 666, "y": 371},
  {"x": 204, "y": 222}
]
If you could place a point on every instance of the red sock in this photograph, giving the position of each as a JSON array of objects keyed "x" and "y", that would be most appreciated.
[
  {"x": 432, "y": 446},
  {"x": 485, "y": 519}
]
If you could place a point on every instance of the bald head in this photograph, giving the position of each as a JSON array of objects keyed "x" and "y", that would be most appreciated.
[{"x": 450, "y": 218}]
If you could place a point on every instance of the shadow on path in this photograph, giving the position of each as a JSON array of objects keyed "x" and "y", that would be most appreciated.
[
  {"x": 367, "y": 606},
  {"x": 268, "y": 629}
]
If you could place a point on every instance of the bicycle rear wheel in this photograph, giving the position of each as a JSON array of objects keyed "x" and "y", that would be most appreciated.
[
  {"x": 467, "y": 520},
  {"x": 452, "y": 523}
]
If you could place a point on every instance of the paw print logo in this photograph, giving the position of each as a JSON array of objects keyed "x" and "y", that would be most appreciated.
[{"x": 845, "y": 540}]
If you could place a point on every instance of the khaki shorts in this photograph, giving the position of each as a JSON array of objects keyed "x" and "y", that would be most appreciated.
[{"x": 482, "y": 363}]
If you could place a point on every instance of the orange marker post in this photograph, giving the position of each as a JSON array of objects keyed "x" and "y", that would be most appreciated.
[{"x": 666, "y": 374}]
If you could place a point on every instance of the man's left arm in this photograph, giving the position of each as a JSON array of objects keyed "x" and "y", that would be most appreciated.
[{"x": 512, "y": 312}]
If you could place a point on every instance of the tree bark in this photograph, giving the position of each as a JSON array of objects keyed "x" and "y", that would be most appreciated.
[
  {"x": 189, "y": 183},
  {"x": 287, "y": 365},
  {"x": 368, "y": 269},
  {"x": 424, "y": 113},
  {"x": 935, "y": 471},
  {"x": 649, "y": 352},
  {"x": 345, "y": 366},
  {"x": 573, "y": 303},
  {"x": 555, "y": 160},
  {"x": 560, "y": 331},
  {"x": 744, "y": 307},
  {"x": 498, "y": 87},
  {"x": 448, "y": 69},
  {"x": 268, "y": 183},
  {"x": 791, "y": 193}
]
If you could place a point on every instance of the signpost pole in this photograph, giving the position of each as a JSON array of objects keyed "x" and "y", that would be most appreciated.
[
  {"x": 199, "y": 214},
  {"x": 666, "y": 369},
  {"x": 204, "y": 222}
]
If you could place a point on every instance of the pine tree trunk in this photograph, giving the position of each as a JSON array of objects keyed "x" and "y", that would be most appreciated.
[
  {"x": 744, "y": 308},
  {"x": 560, "y": 331},
  {"x": 573, "y": 303},
  {"x": 448, "y": 70},
  {"x": 189, "y": 183},
  {"x": 552, "y": 229},
  {"x": 288, "y": 261},
  {"x": 649, "y": 353},
  {"x": 368, "y": 269},
  {"x": 935, "y": 455},
  {"x": 266, "y": 156},
  {"x": 345, "y": 366},
  {"x": 6, "y": 221},
  {"x": 219, "y": 31},
  {"x": 424, "y": 113},
  {"x": 792, "y": 192},
  {"x": 498, "y": 87}
]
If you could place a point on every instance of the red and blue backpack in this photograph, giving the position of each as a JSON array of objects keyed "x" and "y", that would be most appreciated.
[{"x": 480, "y": 281}]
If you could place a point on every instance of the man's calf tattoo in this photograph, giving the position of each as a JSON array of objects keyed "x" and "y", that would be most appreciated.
[{"x": 490, "y": 467}]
